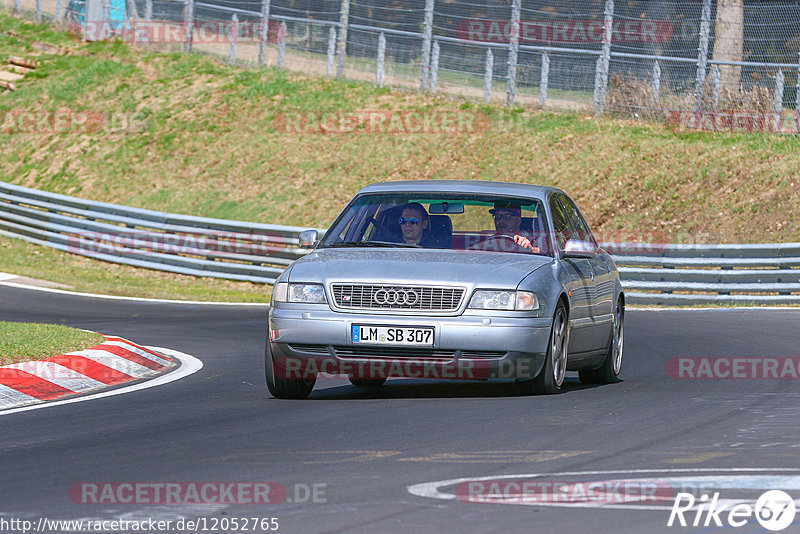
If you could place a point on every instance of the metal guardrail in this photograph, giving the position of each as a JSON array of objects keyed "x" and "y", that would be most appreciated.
[
  {"x": 236, "y": 250},
  {"x": 198, "y": 246}
]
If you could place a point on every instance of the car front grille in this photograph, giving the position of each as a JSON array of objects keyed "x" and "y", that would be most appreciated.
[
  {"x": 343, "y": 351},
  {"x": 383, "y": 297}
]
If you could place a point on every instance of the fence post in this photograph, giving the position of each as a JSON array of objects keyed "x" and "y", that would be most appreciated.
[
  {"x": 487, "y": 76},
  {"x": 188, "y": 24},
  {"x": 148, "y": 20},
  {"x": 797, "y": 101},
  {"x": 777, "y": 105},
  {"x": 604, "y": 61},
  {"x": 37, "y": 15},
  {"x": 234, "y": 37},
  {"x": 331, "y": 51},
  {"x": 263, "y": 32},
  {"x": 427, "y": 37},
  {"x": 345, "y": 20},
  {"x": 18, "y": 7},
  {"x": 381, "y": 58},
  {"x": 702, "y": 61},
  {"x": 544, "y": 78},
  {"x": 656, "y": 81},
  {"x": 434, "y": 66},
  {"x": 59, "y": 9},
  {"x": 513, "y": 51},
  {"x": 715, "y": 81},
  {"x": 281, "y": 43}
]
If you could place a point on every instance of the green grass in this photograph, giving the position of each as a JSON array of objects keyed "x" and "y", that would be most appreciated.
[
  {"x": 20, "y": 342},
  {"x": 79, "y": 273},
  {"x": 206, "y": 140}
]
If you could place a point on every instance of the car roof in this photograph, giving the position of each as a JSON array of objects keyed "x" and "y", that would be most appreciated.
[{"x": 461, "y": 186}]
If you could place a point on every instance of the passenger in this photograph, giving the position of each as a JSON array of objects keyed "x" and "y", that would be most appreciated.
[{"x": 507, "y": 220}]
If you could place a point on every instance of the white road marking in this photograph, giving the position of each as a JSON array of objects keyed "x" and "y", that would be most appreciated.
[
  {"x": 189, "y": 366},
  {"x": 750, "y": 480},
  {"x": 58, "y": 375},
  {"x": 12, "y": 397},
  {"x": 144, "y": 354},
  {"x": 7, "y": 276},
  {"x": 117, "y": 363},
  {"x": 134, "y": 299}
]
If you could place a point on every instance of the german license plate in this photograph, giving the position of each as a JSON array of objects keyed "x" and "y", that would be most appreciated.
[{"x": 393, "y": 335}]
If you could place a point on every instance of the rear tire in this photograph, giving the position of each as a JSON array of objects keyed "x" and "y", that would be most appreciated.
[
  {"x": 608, "y": 373},
  {"x": 367, "y": 382},
  {"x": 551, "y": 377},
  {"x": 285, "y": 388}
]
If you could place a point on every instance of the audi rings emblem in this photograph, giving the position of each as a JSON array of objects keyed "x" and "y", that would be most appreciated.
[{"x": 396, "y": 297}]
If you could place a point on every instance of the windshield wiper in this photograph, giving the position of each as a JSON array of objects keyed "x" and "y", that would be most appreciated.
[{"x": 386, "y": 244}]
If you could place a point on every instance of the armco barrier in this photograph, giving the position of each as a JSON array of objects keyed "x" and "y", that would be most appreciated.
[{"x": 236, "y": 250}]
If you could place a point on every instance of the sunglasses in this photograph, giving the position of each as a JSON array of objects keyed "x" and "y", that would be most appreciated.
[{"x": 413, "y": 221}]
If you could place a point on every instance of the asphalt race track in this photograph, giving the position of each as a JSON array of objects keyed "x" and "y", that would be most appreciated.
[{"x": 361, "y": 450}]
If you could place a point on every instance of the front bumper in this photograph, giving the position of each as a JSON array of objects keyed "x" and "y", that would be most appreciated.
[{"x": 307, "y": 339}]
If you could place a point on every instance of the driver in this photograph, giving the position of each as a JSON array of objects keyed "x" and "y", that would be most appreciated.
[{"x": 507, "y": 219}]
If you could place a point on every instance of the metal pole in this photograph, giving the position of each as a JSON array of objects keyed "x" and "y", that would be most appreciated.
[
  {"x": 702, "y": 60},
  {"x": 381, "y": 58},
  {"x": 715, "y": 80},
  {"x": 281, "y": 43},
  {"x": 331, "y": 51},
  {"x": 37, "y": 16},
  {"x": 797, "y": 101},
  {"x": 513, "y": 50},
  {"x": 18, "y": 7},
  {"x": 345, "y": 18},
  {"x": 544, "y": 78},
  {"x": 59, "y": 6},
  {"x": 148, "y": 20},
  {"x": 487, "y": 76},
  {"x": 106, "y": 25},
  {"x": 434, "y": 67},
  {"x": 427, "y": 36},
  {"x": 234, "y": 37},
  {"x": 604, "y": 61},
  {"x": 263, "y": 32},
  {"x": 778, "y": 100},
  {"x": 656, "y": 81},
  {"x": 188, "y": 24}
]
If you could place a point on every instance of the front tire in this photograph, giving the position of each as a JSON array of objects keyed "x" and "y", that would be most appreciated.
[
  {"x": 551, "y": 377},
  {"x": 608, "y": 373},
  {"x": 285, "y": 388}
]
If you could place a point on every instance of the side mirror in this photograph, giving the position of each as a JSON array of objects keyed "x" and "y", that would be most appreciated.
[
  {"x": 309, "y": 238},
  {"x": 575, "y": 248}
]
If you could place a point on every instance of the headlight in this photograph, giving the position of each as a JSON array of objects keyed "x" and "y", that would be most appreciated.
[
  {"x": 302, "y": 293},
  {"x": 504, "y": 300}
]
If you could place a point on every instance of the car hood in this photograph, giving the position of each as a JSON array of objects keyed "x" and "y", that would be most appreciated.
[{"x": 416, "y": 266}]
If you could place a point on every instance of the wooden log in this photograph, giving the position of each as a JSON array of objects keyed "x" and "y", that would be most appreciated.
[
  {"x": 6, "y": 76},
  {"x": 49, "y": 48},
  {"x": 22, "y": 62},
  {"x": 19, "y": 70},
  {"x": 8, "y": 85}
]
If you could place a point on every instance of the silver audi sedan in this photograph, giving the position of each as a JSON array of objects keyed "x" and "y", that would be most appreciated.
[{"x": 448, "y": 279}]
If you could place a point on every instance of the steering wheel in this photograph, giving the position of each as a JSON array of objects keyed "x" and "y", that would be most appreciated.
[{"x": 499, "y": 243}]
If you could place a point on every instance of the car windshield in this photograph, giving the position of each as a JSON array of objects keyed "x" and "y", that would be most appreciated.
[{"x": 448, "y": 221}]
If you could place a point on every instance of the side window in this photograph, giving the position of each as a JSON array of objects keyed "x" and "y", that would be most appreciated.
[
  {"x": 578, "y": 227},
  {"x": 560, "y": 222}
]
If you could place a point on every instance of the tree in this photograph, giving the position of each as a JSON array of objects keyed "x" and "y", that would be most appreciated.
[{"x": 729, "y": 40}]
